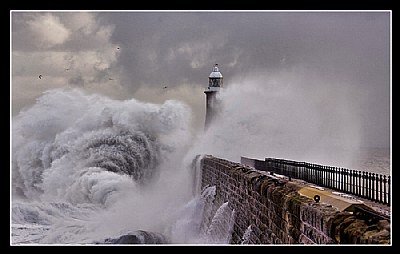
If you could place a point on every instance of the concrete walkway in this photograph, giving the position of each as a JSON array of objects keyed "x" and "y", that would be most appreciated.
[
  {"x": 341, "y": 200},
  {"x": 328, "y": 197}
]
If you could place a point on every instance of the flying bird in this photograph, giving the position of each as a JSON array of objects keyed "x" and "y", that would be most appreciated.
[{"x": 40, "y": 76}]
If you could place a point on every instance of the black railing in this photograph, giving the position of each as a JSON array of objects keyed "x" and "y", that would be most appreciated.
[{"x": 371, "y": 186}]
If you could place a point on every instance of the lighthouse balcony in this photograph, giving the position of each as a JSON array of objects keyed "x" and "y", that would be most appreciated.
[{"x": 212, "y": 89}]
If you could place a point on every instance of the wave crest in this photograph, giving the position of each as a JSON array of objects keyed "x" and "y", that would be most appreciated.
[{"x": 85, "y": 148}]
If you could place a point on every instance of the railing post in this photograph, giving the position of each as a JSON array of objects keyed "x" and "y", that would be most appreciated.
[
  {"x": 359, "y": 183},
  {"x": 300, "y": 169},
  {"x": 285, "y": 168},
  {"x": 348, "y": 181},
  {"x": 369, "y": 185},
  {"x": 344, "y": 180},
  {"x": 328, "y": 180},
  {"x": 315, "y": 166},
  {"x": 336, "y": 178},
  {"x": 313, "y": 173},
  {"x": 377, "y": 188},
  {"x": 349, "y": 186},
  {"x": 373, "y": 187},
  {"x": 384, "y": 190},
  {"x": 327, "y": 176},
  {"x": 388, "y": 191},
  {"x": 381, "y": 189},
  {"x": 351, "y": 181},
  {"x": 306, "y": 171},
  {"x": 334, "y": 186},
  {"x": 363, "y": 194},
  {"x": 319, "y": 172},
  {"x": 355, "y": 181}
]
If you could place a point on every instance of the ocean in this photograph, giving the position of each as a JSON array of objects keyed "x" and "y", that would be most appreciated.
[
  {"x": 90, "y": 170},
  {"x": 375, "y": 160}
]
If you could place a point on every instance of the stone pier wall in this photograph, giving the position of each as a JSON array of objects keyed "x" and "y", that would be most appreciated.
[{"x": 269, "y": 210}]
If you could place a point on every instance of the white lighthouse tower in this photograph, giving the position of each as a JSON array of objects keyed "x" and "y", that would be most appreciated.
[{"x": 215, "y": 82}]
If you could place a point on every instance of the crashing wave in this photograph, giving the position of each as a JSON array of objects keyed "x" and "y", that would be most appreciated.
[
  {"x": 84, "y": 148},
  {"x": 134, "y": 154}
]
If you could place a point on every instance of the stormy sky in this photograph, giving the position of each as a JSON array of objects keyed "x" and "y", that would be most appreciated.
[{"x": 131, "y": 54}]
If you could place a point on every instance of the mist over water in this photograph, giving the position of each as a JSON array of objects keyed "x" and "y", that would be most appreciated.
[
  {"x": 86, "y": 168},
  {"x": 286, "y": 115}
]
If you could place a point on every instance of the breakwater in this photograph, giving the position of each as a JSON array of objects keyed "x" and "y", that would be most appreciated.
[{"x": 271, "y": 210}]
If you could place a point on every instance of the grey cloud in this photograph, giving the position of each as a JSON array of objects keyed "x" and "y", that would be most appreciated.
[
  {"x": 338, "y": 48},
  {"x": 350, "y": 49},
  {"x": 332, "y": 43}
]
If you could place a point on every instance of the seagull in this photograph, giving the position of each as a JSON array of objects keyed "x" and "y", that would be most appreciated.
[
  {"x": 67, "y": 69},
  {"x": 118, "y": 47},
  {"x": 165, "y": 87},
  {"x": 110, "y": 79},
  {"x": 40, "y": 76}
]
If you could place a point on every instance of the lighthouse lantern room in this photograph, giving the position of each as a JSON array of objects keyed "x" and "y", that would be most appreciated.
[{"x": 215, "y": 82}]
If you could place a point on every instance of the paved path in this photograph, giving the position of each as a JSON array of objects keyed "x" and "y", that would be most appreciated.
[{"x": 338, "y": 199}]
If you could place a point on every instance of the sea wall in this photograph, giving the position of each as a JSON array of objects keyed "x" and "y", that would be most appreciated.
[{"x": 269, "y": 210}]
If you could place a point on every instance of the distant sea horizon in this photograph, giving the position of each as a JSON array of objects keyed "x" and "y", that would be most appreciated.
[{"x": 374, "y": 160}]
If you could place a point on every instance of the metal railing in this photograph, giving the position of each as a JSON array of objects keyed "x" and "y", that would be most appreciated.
[{"x": 371, "y": 186}]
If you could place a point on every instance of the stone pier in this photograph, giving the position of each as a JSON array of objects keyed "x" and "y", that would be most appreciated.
[{"x": 273, "y": 210}]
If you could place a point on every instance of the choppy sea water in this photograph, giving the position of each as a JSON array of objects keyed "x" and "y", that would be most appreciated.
[
  {"x": 374, "y": 160},
  {"x": 90, "y": 170}
]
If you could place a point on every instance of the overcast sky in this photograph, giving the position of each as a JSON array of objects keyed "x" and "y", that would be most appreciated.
[{"x": 135, "y": 54}]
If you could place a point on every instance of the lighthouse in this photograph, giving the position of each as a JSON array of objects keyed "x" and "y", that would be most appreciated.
[{"x": 215, "y": 81}]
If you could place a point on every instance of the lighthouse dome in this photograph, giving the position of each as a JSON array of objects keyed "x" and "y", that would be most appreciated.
[{"x": 215, "y": 72}]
